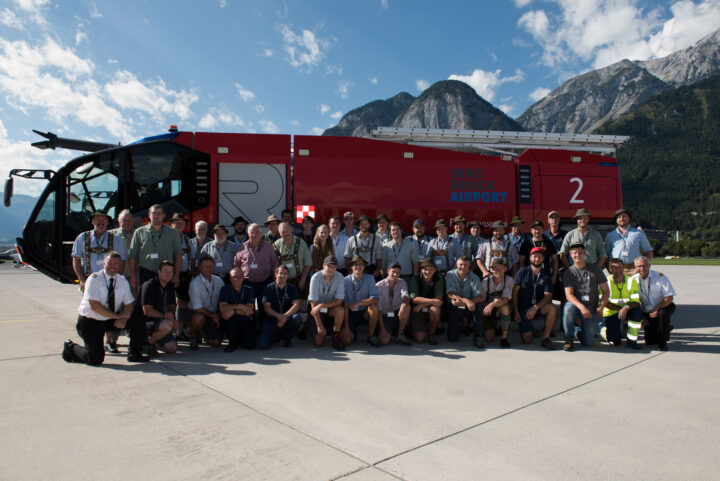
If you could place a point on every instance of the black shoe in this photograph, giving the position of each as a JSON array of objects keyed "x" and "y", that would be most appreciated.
[
  {"x": 547, "y": 344},
  {"x": 403, "y": 340},
  {"x": 504, "y": 343},
  {"x": 151, "y": 350},
  {"x": 194, "y": 344},
  {"x": 662, "y": 347},
  {"x": 67, "y": 352},
  {"x": 633, "y": 345},
  {"x": 230, "y": 347},
  {"x": 134, "y": 356},
  {"x": 373, "y": 341},
  {"x": 302, "y": 335},
  {"x": 552, "y": 334},
  {"x": 432, "y": 339},
  {"x": 182, "y": 337},
  {"x": 111, "y": 347},
  {"x": 478, "y": 342},
  {"x": 287, "y": 342}
]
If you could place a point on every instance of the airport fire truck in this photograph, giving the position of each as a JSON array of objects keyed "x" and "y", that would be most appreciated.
[{"x": 403, "y": 173}]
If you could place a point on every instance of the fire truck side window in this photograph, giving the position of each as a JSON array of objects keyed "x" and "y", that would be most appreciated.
[
  {"x": 92, "y": 186},
  {"x": 42, "y": 230}
]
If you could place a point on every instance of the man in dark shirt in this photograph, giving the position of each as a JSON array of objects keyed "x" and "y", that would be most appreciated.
[
  {"x": 158, "y": 306},
  {"x": 281, "y": 303},
  {"x": 532, "y": 299},
  {"x": 236, "y": 306},
  {"x": 427, "y": 291}
]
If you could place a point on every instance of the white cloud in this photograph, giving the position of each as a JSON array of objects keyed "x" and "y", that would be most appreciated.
[
  {"x": 539, "y": 93},
  {"x": 305, "y": 49},
  {"x": 522, "y": 3},
  {"x": 606, "y": 31},
  {"x": 95, "y": 13},
  {"x": 219, "y": 117},
  {"x": 374, "y": 80},
  {"x": 259, "y": 108},
  {"x": 266, "y": 53},
  {"x": 317, "y": 131},
  {"x": 336, "y": 115},
  {"x": 80, "y": 37},
  {"x": 112, "y": 61},
  {"x": 508, "y": 109},
  {"x": 421, "y": 84},
  {"x": 343, "y": 88},
  {"x": 245, "y": 94},
  {"x": 222, "y": 3},
  {"x": 324, "y": 109},
  {"x": 269, "y": 127},
  {"x": 384, "y": 4},
  {"x": 487, "y": 83},
  {"x": 34, "y": 8},
  {"x": 9, "y": 19},
  {"x": 294, "y": 123},
  {"x": 493, "y": 56},
  {"x": 330, "y": 70}
]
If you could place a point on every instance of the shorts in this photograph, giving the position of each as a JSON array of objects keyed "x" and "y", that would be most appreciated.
[
  {"x": 168, "y": 338},
  {"x": 419, "y": 321},
  {"x": 355, "y": 318},
  {"x": 526, "y": 325},
  {"x": 210, "y": 331},
  {"x": 182, "y": 290},
  {"x": 490, "y": 322},
  {"x": 327, "y": 321},
  {"x": 390, "y": 323}
]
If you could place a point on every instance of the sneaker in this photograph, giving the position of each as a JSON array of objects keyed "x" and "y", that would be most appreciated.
[
  {"x": 568, "y": 346},
  {"x": 111, "y": 347},
  {"x": 67, "y": 352},
  {"x": 478, "y": 342},
  {"x": 194, "y": 344},
  {"x": 373, "y": 341},
  {"x": 547, "y": 344},
  {"x": 603, "y": 334},
  {"x": 504, "y": 343},
  {"x": 403, "y": 340},
  {"x": 432, "y": 340},
  {"x": 337, "y": 341}
]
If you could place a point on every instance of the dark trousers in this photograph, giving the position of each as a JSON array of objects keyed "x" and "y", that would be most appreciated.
[
  {"x": 613, "y": 324},
  {"x": 657, "y": 330},
  {"x": 258, "y": 288},
  {"x": 269, "y": 330},
  {"x": 92, "y": 332},
  {"x": 454, "y": 318},
  {"x": 241, "y": 331}
]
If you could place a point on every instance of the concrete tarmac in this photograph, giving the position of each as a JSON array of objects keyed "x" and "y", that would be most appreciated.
[{"x": 449, "y": 412}]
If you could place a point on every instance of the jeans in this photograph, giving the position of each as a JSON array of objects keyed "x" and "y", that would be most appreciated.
[
  {"x": 588, "y": 326},
  {"x": 269, "y": 330}
]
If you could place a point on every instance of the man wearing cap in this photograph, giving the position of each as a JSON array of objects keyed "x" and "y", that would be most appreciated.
[
  {"x": 583, "y": 281},
  {"x": 464, "y": 296},
  {"x": 281, "y": 304},
  {"x": 497, "y": 293},
  {"x": 188, "y": 267},
  {"x": 222, "y": 252},
  {"x": 590, "y": 238},
  {"x": 420, "y": 238},
  {"x": 401, "y": 251},
  {"x": 623, "y": 306},
  {"x": 294, "y": 254},
  {"x": 107, "y": 305},
  {"x": 366, "y": 245},
  {"x": 339, "y": 240},
  {"x": 361, "y": 299},
  {"x": 532, "y": 299},
  {"x": 463, "y": 238},
  {"x": 515, "y": 236},
  {"x": 656, "y": 299},
  {"x": 394, "y": 305},
  {"x": 272, "y": 233},
  {"x": 236, "y": 305},
  {"x": 90, "y": 247},
  {"x": 537, "y": 239},
  {"x": 626, "y": 242},
  {"x": 201, "y": 238},
  {"x": 204, "y": 292},
  {"x": 257, "y": 258},
  {"x": 239, "y": 234},
  {"x": 151, "y": 244},
  {"x": 444, "y": 250},
  {"x": 382, "y": 230},
  {"x": 327, "y": 292},
  {"x": 499, "y": 247},
  {"x": 427, "y": 291}
]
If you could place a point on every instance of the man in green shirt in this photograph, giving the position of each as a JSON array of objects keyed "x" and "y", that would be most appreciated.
[
  {"x": 151, "y": 244},
  {"x": 589, "y": 238}
]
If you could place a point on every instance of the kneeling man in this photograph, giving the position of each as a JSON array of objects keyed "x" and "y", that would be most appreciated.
[
  {"x": 464, "y": 294},
  {"x": 656, "y": 297},
  {"x": 204, "y": 293},
  {"x": 532, "y": 298},
  {"x": 158, "y": 305},
  {"x": 497, "y": 291},
  {"x": 327, "y": 291},
  {"x": 361, "y": 305},
  {"x": 394, "y": 304},
  {"x": 236, "y": 305},
  {"x": 281, "y": 303}
]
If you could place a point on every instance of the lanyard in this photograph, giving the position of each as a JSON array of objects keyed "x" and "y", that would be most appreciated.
[
  {"x": 164, "y": 298},
  {"x": 155, "y": 241},
  {"x": 281, "y": 299},
  {"x": 210, "y": 293}
]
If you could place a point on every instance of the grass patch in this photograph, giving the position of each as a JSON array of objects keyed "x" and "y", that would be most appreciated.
[{"x": 687, "y": 261}]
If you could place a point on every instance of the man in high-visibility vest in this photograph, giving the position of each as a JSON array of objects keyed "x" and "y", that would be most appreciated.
[{"x": 623, "y": 306}]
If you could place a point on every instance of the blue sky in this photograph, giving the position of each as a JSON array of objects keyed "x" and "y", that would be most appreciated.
[{"x": 119, "y": 71}]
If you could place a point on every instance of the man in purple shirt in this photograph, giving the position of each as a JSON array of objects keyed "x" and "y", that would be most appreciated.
[{"x": 257, "y": 259}]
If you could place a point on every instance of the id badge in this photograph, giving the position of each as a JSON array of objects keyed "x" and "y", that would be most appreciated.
[
  {"x": 356, "y": 309},
  {"x": 390, "y": 314},
  {"x": 624, "y": 254},
  {"x": 585, "y": 298},
  {"x": 154, "y": 255},
  {"x": 461, "y": 307},
  {"x": 253, "y": 266},
  {"x": 424, "y": 309},
  {"x": 219, "y": 264},
  {"x": 438, "y": 261},
  {"x": 421, "y": 258},
  {"x": 323, "y": 310},
  {"x": 99, "y": 262},
  {"x": 290, "y": 265}
]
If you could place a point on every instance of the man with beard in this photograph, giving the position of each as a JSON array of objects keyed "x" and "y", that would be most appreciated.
[
  {"x": 532, "y": 299},
  {"x": 90, "y": 248},
  {"x": 327, "y": 292},
  {"x": 361, "y": 305},
  {"x": 497, "y": 293},
  {"x": 281, "y": 303},
  {"x": 339, "y": 240},
  {"x": 158, "y": 306},
  {"x": 272, "y": 233},
  {"x": 366, "y": 245},
  {"x": 151, "y": 244},
  {"x": 221, "y": 251},
  {"x": 420, "y": 239},
  {"x": 427, "y": 291},
  {"x": 626, "y": 242},
  {"x": 623, "y": 306},
  {"x": 497, "y": 248},
  {"x": 394, "y": 304},
  {"x": 537, "y": 239},
  {"x": 294, "y": 254},
  {"x": 239, "y": 235}
]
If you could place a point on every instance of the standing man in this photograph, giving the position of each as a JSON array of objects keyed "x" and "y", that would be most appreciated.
[
  {"x": 327, "y": 291},
  {"x": 125, "y": 230},
  {"x": 554, "y": 233},
  {"x": 444, "y": 250},
  {"x": 201, "y": 238},
  {"x": 366, "y": 245},
  {"x": 590, "y": 238},
  {"x": 401, "y": 251},
  {"x": 257, "y": 259},
  {"x": 236, "y": 304},
  {"x": 272, "y": 233},
  {"x": 427, "y": 291},
  {"x": 624, "y": 306},
  {"x": 497, "y": 248},
  {"x": 532, "y": 299},
  {"x": 222, "y": 252},
  {"x": 497, "y": 294},
  {"x": 516, "y": 237},
  {"x": 626, "y": 242},
  {"x": 477, "y": 239},
  {"x": 287, "y": 216},
  {"x": 656, "y": 298},
  {"x": 293, "y": 253},
  {"x": 464, "y": 295},
  {"x": 239, "y": 235},
  {"x": 158, "y": 306},
  {"x": 394, "y": 303},
  {"x": 188, "y": 267},
  {"x": 582, "y": 282},
  {"x": 106, "y": 305},
  {"x": 382, "y": 230},
  {"x": 151, "y": 244},
  {"x": 339, "y": 239},
  {"x": 349, "y": 220},
  {"x": 463, "y": 238},
  {"x": 361, "y": 299},
  {"x": 281, "y": 303},
  {"x": 204, "y": 296},
  {"x": 90, "y": 248},
  {"x": 420, "y": 239}
]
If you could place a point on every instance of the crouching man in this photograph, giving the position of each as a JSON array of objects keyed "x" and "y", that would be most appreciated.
[
  {"x": 236, "y": 305},
  {"x": 281, "y": 303},
  {"x": 106, "y": 305},
  {"x": 327, "y": 291},
  {"x": 204, "y": 296},
  {"x": 656, "y": 298},
  {"x": 624, "y": 306},
  {"x": 464, "y": 295},
  {"x": 532, "y": 298},
  {"x": 361, "y": 305},
  {"x": 158, "y": 305},
  {"x": 394, "y": 303}
]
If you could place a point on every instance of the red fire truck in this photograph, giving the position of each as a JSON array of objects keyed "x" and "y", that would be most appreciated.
[{"x": 404, "y": 173}]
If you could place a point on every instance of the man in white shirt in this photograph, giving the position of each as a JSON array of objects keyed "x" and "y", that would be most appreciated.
[
  {"x": 656, "y": 300},
  {"x": 106, "y": 305},
  {"x": 204, "y": 296}
]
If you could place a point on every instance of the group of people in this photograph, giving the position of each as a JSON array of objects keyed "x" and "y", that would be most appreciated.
[{"x": 312, "y": 281}]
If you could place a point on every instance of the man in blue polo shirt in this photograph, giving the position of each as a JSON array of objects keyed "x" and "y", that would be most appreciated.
[
  {"x": 361, "y": 304},
  {"x": 532, "y": 298},
  {"x": 627, "y": 243}
]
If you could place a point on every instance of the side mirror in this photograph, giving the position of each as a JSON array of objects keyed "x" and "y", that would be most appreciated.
[{"x": 8, "y": 191}]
